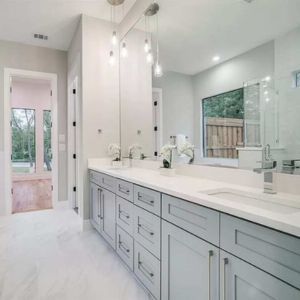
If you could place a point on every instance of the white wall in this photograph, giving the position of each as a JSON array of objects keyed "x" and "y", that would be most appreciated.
[
  {"x": 287, "y": 60},
  {"x": 20, "y": 56},
  {"x": 99, "y": 97},
  {"x": 230, "y": 75},
  {"x": 178, "y": 105},
  {"x": 136, "y": 96}
]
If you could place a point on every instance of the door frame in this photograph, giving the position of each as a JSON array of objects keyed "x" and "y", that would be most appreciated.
[{"x": 8, "y": 74}]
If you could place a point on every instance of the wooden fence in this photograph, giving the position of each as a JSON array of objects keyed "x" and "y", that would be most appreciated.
[{"x": 223, "y": 136}]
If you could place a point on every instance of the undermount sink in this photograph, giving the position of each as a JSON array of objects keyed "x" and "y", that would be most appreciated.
[{"x": 263, "y": 201}]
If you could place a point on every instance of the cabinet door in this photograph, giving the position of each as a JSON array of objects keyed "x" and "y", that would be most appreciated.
[
  {"x": 95, "y": 205},
  {"x": 190, "y": 266},
  {"x": 108, "y": 217},
  {"x": 242, "y": 281}
]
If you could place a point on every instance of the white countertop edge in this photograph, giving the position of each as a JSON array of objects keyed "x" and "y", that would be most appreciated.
[{"x": 278, "y": 222}]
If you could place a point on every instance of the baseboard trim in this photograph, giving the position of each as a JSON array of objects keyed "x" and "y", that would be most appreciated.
[
  {"x": 86, "y": 225},
  {"x": 61, "y": 204}
]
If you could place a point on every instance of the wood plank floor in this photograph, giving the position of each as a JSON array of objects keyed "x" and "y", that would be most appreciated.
[{"x": 31, "y": 195}]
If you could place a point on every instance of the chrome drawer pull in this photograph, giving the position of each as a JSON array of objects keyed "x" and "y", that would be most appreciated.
[
  {"x": 225, "y": 262},
  {"x": 210, "y": 254},
  {"x": 124, "y": 190},
  {"x": 146, "y": 229},
  {"x": 144, "y": 269},
  {"x": 100, "y": 208},
  {"x": 122, "y": 247},
  {"x": 146, "y": 201}
]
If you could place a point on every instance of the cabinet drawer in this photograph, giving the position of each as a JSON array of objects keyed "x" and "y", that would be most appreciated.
[
  {"x": 198, "y": 220},
  {"x": 95, "y": 177},
  {"x": 125, "y": 190},
  {"x": 125, "y": 247},
  {"x": 147, "y": 199},
  {"x": 124, "y": 215},
  {"x": 147, "y": 269},
  {"x": 147, "y": 230},
  {"x": 272, "y": 251},
  {"x": 108, "y": 182}
]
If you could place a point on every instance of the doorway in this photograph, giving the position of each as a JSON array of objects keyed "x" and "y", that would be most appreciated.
[{"x": 31, "y": 168}]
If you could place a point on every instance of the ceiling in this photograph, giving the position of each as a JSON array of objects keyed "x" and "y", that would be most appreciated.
[
  {"x": 20, "y": 19},
  {"x": 192, "y": 32}
]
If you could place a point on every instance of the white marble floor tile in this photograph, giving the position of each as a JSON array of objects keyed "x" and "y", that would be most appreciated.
[{"x": 44, "y": 255}]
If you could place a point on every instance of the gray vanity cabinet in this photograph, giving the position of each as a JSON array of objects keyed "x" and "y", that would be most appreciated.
[
  {"x": 108, "y": 216},
  {"x": 95, "y": 205},
  {"x": 242, "y": 281},
  {"x": 189, "y": 265}
]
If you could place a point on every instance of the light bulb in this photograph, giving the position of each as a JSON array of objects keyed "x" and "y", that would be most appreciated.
[
  {"x": 124, "y": 51},
  {"x": 158, "y": 72},
  {"x": 114, "y": 38},
  {"x": 112, "y": 59},
  {"x": 149, "y": 57},
  {"x": 267, "y": 99},
  {"x": 266, "y": 92},
  {"x": 147, "y": 46}
]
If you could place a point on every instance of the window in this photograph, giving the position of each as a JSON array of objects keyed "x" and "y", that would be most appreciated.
[
  {"x": 223, "y": 124},
  {"x": 297, "y": 79},
  {"x": 47, "y": 141},
  {"x": 23, "y": 140}
]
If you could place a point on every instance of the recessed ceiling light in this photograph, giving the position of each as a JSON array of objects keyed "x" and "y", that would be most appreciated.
[{"x": 216, "y": 58}]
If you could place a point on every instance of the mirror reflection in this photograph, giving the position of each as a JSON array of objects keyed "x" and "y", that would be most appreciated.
[{"x": 224, "y": 80}]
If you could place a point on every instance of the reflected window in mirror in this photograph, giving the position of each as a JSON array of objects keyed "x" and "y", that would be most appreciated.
[
  {"x": 223, "y": 124},
  {"x": 297, "y": 79}
]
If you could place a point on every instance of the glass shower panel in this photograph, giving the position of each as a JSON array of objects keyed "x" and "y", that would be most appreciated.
[{"x": 23, "y": 141}]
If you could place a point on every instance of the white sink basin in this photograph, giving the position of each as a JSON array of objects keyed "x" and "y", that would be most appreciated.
[{"x": 263, "y": 201}]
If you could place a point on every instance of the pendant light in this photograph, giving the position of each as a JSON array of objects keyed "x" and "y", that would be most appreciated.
[
  {"x": 114, "y": 37},
  {"x": 147, "y": 46},
  {"x": 158, "y": 71},
  {"x": 124, "y": 51}
]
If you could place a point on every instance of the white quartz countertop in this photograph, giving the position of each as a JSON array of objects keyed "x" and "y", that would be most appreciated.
[{"x": 194, "y": 190}]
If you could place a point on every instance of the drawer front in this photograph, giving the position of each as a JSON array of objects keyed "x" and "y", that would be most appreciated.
[
  {"x": 198, "y": 220},
  {"x": 125, "y": 247},
  {"x": 272, "y": 251},
  {"x": 95, "y": 177},
  {"x": 147, "y": 230},
  {"x": 147, "y": 199},
  {"x": 125, "y": 190},
  {"x": 124, "y": 215},
  {"x": 147, "y": 269},
  {"x": 108, "y": 182}
]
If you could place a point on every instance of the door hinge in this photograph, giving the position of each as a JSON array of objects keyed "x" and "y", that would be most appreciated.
[
  {"x": 155, "y": 128},
  {"x": 74, "y": 91},
  {"x": 74, "y": 124},
  {"x": 155, "y": 153},
  {"x": 74, "y": 156},
  {"x": 51, "y": 187},
  {"x": 10, "y": 122},
  {"x": 51, "y": 124},
  {"x": 155, "y": 103},
  {"x": 11, "y": 157},
  {"x": 12, "y": 191},
  {"x": 10, "y": 89},
  {"x": 74, "y": 189},
  {"x": 51, "y": 93}
]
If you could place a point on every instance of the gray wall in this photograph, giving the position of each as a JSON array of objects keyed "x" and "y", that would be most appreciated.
[
  {"x": 20, "y": 56},
  {"x": 178, "y": 104}
]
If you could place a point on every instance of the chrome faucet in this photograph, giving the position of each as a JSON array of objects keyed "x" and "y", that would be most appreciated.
[{"x": 268, "y": 168}]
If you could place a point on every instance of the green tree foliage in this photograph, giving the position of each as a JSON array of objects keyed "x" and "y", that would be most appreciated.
[
  {"x": 23, "y": 135},
  {"x": 227, "y": 105},
  {"x": 47, "y": 139}
]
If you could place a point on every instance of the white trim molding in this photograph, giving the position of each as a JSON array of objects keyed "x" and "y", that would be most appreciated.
[{"x": 8, "y": 74}]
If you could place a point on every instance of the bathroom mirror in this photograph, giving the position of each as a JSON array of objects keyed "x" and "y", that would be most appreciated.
[{"x": 229, "y": 82}]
